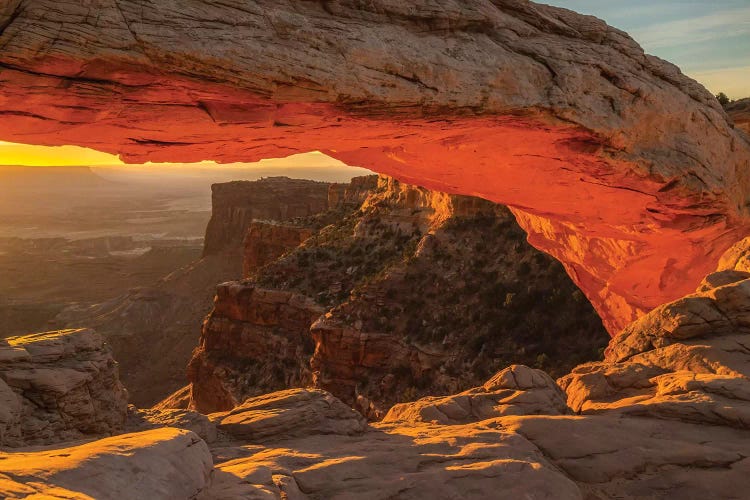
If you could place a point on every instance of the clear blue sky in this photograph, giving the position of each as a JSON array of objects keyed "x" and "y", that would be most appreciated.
[{"x": 708, "y": 39}]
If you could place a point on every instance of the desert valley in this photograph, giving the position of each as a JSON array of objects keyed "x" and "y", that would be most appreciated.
[{"x": 519, "y": 267}]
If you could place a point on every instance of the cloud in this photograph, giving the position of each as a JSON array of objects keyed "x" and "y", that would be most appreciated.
[{"x": 718, "y": 25}]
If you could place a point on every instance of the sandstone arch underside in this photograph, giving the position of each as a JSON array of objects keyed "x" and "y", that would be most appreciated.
[{"x": 627, "y": 171}]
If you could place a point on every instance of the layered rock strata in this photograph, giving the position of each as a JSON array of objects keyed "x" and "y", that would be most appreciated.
[
  {"x": 254, "y": 341},
  {"x": 235, "y": 205},
  {"x": 267, "y": 241},
  {"x": 58, "y": 386},
  {"x": 424, "y": 293},
  {"x": 624, "y": 169},
  {"x": 154, "y": 329}
]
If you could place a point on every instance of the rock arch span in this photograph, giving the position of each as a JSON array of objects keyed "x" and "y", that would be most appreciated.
[{"x": 617, "y": 164}]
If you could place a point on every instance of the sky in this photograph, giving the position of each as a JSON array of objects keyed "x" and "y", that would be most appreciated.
[{"x": 708, "y": 39}]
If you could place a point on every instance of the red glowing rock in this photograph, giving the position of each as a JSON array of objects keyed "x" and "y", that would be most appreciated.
[{"x": 615, "y": 163}]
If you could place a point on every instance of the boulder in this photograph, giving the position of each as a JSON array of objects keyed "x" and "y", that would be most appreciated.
[
  {"x": 289, "y": 414},
  {"x": 516, "y": 390},
  {"x": 58, "y": 386}
]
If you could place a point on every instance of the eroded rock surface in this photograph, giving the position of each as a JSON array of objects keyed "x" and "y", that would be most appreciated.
[
  {"x": 235, "y": 205},
  {"x": 159, "y": 464},
  {"x": 516, "y": 390},
  {"x": 254, "y": 341},
  {"x": 290, "y": 414},
  {"x": 155, "y": 418},
  {"x": 308, "y": 444},
  {"x": 688, "y": 360},
  {"x": 267, "y": 241},
  {"x": 739, "y": 111},
  {"x": 626, "y": 170},
  {"x": 58, "y": 386},
  {"x": 424, "y": 293}
]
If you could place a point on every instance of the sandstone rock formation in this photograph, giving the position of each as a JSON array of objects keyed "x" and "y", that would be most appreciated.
[
  {"x": 58, "y": 386},
  {"x": 290, "y": 414},
  {"x": 254, "y": 341},
  {"x": 267, "y": 241},
  {"x": 155, "y": 418},
  {"x": 352, "y": 194},
  {"x": 424, "y": 293},
  {"x": 158, "y": 464},
  {"x": 235, "y": 205},
  {"x": 516, "y": 390},
  {"x": 617, "y": 164},
  {"x": 688, "y": 360},
  {"x": 739, "y": 111}
]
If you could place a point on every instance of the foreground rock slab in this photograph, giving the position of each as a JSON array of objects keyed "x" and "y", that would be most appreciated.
[
  {"x": 58, "y": 386},
  {"x": 159, "y": 464},
  {"x": 414, "y": 461},
  {"x": 292, "y": 413}
]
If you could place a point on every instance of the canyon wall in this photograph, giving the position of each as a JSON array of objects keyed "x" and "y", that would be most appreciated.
[
  {"x": 234, "y": 205},
  {"x": 626, "y": 170},
  {"x": 267, "y": 241},
  {"x": 254, "y": 341},
  {"x": 413, "y": 292}
]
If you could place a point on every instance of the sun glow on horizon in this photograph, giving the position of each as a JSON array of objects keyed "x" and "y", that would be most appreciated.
[
  {"x": 27, "y": 155},
  {"x": 12, "y": 153}
]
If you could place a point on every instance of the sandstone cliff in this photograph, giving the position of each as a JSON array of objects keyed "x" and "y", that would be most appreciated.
[
  {"x": 617, "y": 164},
  {"x": 236, "y": 204},
  {"x": 423, "y": 293}
]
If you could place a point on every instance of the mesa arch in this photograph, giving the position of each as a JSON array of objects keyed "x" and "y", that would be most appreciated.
[{"x": 625, "y": 170}]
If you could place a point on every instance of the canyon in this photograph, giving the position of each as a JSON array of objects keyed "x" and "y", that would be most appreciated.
[
  {"x": 309, "y": 380},
  {"x": 395, "y": 292}
]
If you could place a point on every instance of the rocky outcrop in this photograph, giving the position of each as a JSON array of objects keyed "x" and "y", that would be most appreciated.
[
  {"x": 424, "y": 293},
  {"x": 235, "y": 205},
  {"x": 254, "y": 341},
  {"x": 352, "y": 194},
  {"x": 308, "y": 444},
  {"x": 154, "y": 329},
  {"x": 156, "y": 418},
  {"x": 267, "y": 241},
  {"x": 290, "y": 414},
  {"x": 739, "y": 111},
  {"x": 516, "y": 390},
  {"x": 58, "y": 386},
  {"x": 158, "y": 464},
  {"x": 627, "y": 171},
  {"x": 687, "y": 360}
]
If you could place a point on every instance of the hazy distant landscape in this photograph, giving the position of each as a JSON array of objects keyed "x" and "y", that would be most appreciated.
[{"x": 87, "y": 234}]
